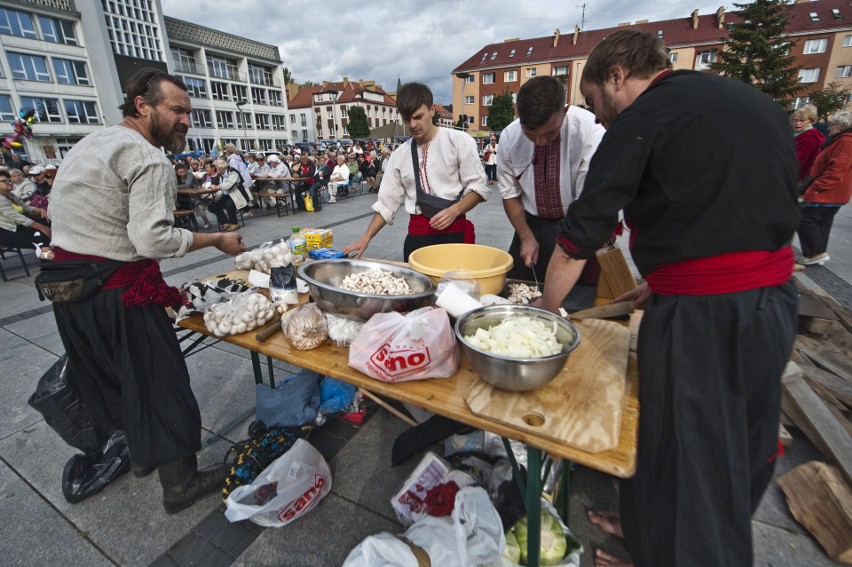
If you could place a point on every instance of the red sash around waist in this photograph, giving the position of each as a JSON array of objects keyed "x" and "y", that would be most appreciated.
[{"x": 725, "y": 273}]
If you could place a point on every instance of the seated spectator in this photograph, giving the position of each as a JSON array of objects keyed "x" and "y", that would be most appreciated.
[
  {"x": 24, "y": 188},
  {"x": 18, "y": 230},
  {"x": 305, "y": 171},
  {"x": 352, "y": 164},
  {"x": 339, "y": 176},
  {"x": 276, "y": 169},
  {"x": 251, "y": 163},
  {"x": 228, "y": 197},
  {"x": 186, "y": 180},
  {"x": 364, "y": 168}
]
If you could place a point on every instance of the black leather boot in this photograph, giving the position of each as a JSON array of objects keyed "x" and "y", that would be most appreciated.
[
  {"x": 183, "y": 483},
  {"x": 141, "y": 471}
]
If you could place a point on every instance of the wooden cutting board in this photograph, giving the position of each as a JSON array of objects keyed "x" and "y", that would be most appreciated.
[{"x": 582, "y": 406}]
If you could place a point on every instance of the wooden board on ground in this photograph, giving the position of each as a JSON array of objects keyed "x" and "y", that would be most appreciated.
[
  {"x": 592, "y": 385},
  {"x": 838, "y": 387},
  {"x": 830, "y": 361},
  {"x": 784, "y": 436},
  {"x": 810, "y": 413},
  {"x": 812, "y": 306},
  {"x": 821, "y": 501}
]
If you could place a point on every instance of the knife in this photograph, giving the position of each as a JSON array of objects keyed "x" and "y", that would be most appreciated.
[{"x": 619, "y": 309}]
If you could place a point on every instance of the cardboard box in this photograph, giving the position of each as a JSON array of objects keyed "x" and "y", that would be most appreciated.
[
  {"x": 319, "y": 238},
  {"x": 325, "y": 253}
]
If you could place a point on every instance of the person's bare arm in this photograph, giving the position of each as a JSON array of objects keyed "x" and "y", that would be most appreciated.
[
  {"x": 448, "y": 216},
  {"x": 514, "y": 208},
  {"x": 376, "y": 224},
  {"x": 228, "y": 242},
  {"x": 563, "y": 271}
]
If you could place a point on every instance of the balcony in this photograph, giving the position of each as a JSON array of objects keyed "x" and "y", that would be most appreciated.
[
  {"x": 229, "y": 74},
  {"x": 188, "y": 67}
]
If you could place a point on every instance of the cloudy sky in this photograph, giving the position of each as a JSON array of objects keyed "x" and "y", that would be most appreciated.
[{"x": 409, "y": 39}]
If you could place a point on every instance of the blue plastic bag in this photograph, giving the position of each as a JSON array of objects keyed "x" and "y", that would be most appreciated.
[
  {"x": 335, "y": 395},
  {"x": 293, "y": 402}
]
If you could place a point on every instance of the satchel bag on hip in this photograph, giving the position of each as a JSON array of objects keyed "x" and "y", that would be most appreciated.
[{"x": 430, "y": 205}]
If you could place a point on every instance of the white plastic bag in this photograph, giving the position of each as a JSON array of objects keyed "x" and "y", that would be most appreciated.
[
  {"x": 396, "y": 348},
  {"x": 286, "y": 490},
  {"x": 471, "y": 537}
]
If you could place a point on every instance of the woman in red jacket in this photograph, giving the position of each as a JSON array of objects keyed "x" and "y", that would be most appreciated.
[
  {"x": 828, "y": 188},
  {"x": 808, "y": 139}
]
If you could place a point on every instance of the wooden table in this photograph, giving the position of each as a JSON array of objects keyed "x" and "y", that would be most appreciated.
[{"x": 445, "y": 396}]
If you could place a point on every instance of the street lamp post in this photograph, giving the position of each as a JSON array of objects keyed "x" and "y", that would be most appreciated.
[
  {"x": 240, "y": 105},
  {"x": 464, "y": 77}
]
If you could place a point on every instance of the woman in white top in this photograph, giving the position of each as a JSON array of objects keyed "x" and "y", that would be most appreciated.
[
  {"x": 339, "y": 176},
  {"x": 491, "y": 160}
]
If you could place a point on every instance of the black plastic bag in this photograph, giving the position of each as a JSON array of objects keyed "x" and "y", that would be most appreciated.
[
  {"x": 63, "y": 410},
  {"x": 86, "y": 475}
]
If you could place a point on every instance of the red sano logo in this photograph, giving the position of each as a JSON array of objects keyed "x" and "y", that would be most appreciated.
[
  {"x": 396, "y": 361},
  {"x": 304, "y": 502}
]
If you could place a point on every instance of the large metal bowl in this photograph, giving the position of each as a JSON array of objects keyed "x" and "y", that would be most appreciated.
[
  {"x": 324, "y": 276},
  {"x": 506, "y": 372}
]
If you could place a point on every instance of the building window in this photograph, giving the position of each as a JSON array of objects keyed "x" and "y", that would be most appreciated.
[
  {"x": 673, "y": 57},
  {"x": 223, "y": 68},
  {"x": 484, "y": 56},
  {"x": 7, "y": 113},
  {"x": 529, "y": 51},
  {"x": 809, "y": 75},
  {"x": 815, "y": 46},
  {"x": 220, "y": 91},
  {"x": 469, "y": 119},
  {"x": 225, "y": 119},
  {"x": 196, "y": 88},
  {"x": 511, "y": 54},
  {"x": 81, "y": 112},
  {"x": 262, "y": 121},
  {"x": 70, "y": 72},
  {"x": 847, "y": 40},
  {"x": 28, "y": 67},
  {"x": 704, "y": 58},
  {"x": 47, "y": 109},
  {"x": 468, "y": 99},
  {"x": 244, "y": 120},
  {"x": 530, "y": 72},
  {"x": 304, "y": 121},
  {"x": 488, "y": 78},
  {"x": 560, "y": 71},
  {"x": 260, "y": 74},
  {"x": 487, "y": 100},
  {"x": 279, "y": 122},
  {"x": 469, "y": 79},
  {"x": 275, "y": 98},
  {"x": 184, "y": 60},
  {"x": 238, "y": 93},
  {"x": 294, "y": 134},
  {"x": 844, "y": 71},
  {"x": 57, "y": 31},
  {"x": 16, "y": 23},
  {"x": 131, "y": 29},
  {"x": 258, "y": 95},
  {"x": 510, "y": 76},
  {"x": 813, "y": 16},
  {"x": 201, "y": 118},
  {"x": 305, "y": 135},
  {"x": 801, "y": 101},
  {"x": 485, "y": 121}
]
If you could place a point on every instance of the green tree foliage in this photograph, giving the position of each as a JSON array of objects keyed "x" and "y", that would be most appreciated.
[
  {"x": 830, "y": 99},
  {"x": 460, "y": 123},
  {"x": 502, "y": 111},
  {"x": 357, "y": 126},
  {"x": 757, "y": 53},
  {"x": 288, "y": 77}
]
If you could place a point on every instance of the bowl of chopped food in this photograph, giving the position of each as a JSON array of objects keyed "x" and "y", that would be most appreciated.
[
  {"x": 516, "y": 347},
  {"x": 358, "y": 289}
]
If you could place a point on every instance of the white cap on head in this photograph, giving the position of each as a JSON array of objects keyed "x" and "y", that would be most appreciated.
[
  {"x": 274, "y": 158},
  {"x": 259, "y": 155},
  {"x": 36, "y": 169}
]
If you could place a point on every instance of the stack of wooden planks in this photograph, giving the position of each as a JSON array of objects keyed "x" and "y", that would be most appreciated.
[{"x": 817, "y": 399}]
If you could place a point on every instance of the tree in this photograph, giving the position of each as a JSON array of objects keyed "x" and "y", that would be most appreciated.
[
  {"x": 757, "y": 53},
  {"x": 830, "y": 99},
  {"x": 460, "y": 123},
  {"x": 288, "y": 77},
  {"x": 502, "y": 111},
  {"x": 436, "y": 118},
  {"x": 358, "y": 126}
]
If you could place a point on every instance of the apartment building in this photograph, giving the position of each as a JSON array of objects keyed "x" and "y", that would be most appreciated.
[
  {"x": 321, "y": 112},
  {"x": 69, "y": 60},
  {"x": 821, "y": 32}
]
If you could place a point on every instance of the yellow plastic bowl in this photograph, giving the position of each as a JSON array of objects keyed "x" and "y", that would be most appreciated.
[{"x": 487, "y": 265}]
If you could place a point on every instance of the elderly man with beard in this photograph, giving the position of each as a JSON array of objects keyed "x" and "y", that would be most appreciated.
[{"x": 112, "y": 210}]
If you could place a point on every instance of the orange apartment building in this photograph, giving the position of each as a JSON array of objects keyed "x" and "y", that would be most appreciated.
[{"x": 821, "y": 32}]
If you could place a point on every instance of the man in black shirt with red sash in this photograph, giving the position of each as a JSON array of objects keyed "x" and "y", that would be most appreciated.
[{"x": 705, "y": 170}]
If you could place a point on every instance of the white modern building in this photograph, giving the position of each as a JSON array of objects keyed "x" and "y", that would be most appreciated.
[{"x": 69, "y": 60}]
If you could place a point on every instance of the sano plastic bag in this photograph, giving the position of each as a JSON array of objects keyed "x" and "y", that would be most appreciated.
[
  {"x": 286, "y": 490},
  {"x": 393, "y": 347}
]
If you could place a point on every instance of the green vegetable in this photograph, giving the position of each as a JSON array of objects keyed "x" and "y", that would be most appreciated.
[
  {"x": 513, "y": 550},
  {"x": 554, "y": 545}
]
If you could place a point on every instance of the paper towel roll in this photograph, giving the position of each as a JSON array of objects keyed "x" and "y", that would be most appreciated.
[{"x": 456, "y": 301}]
